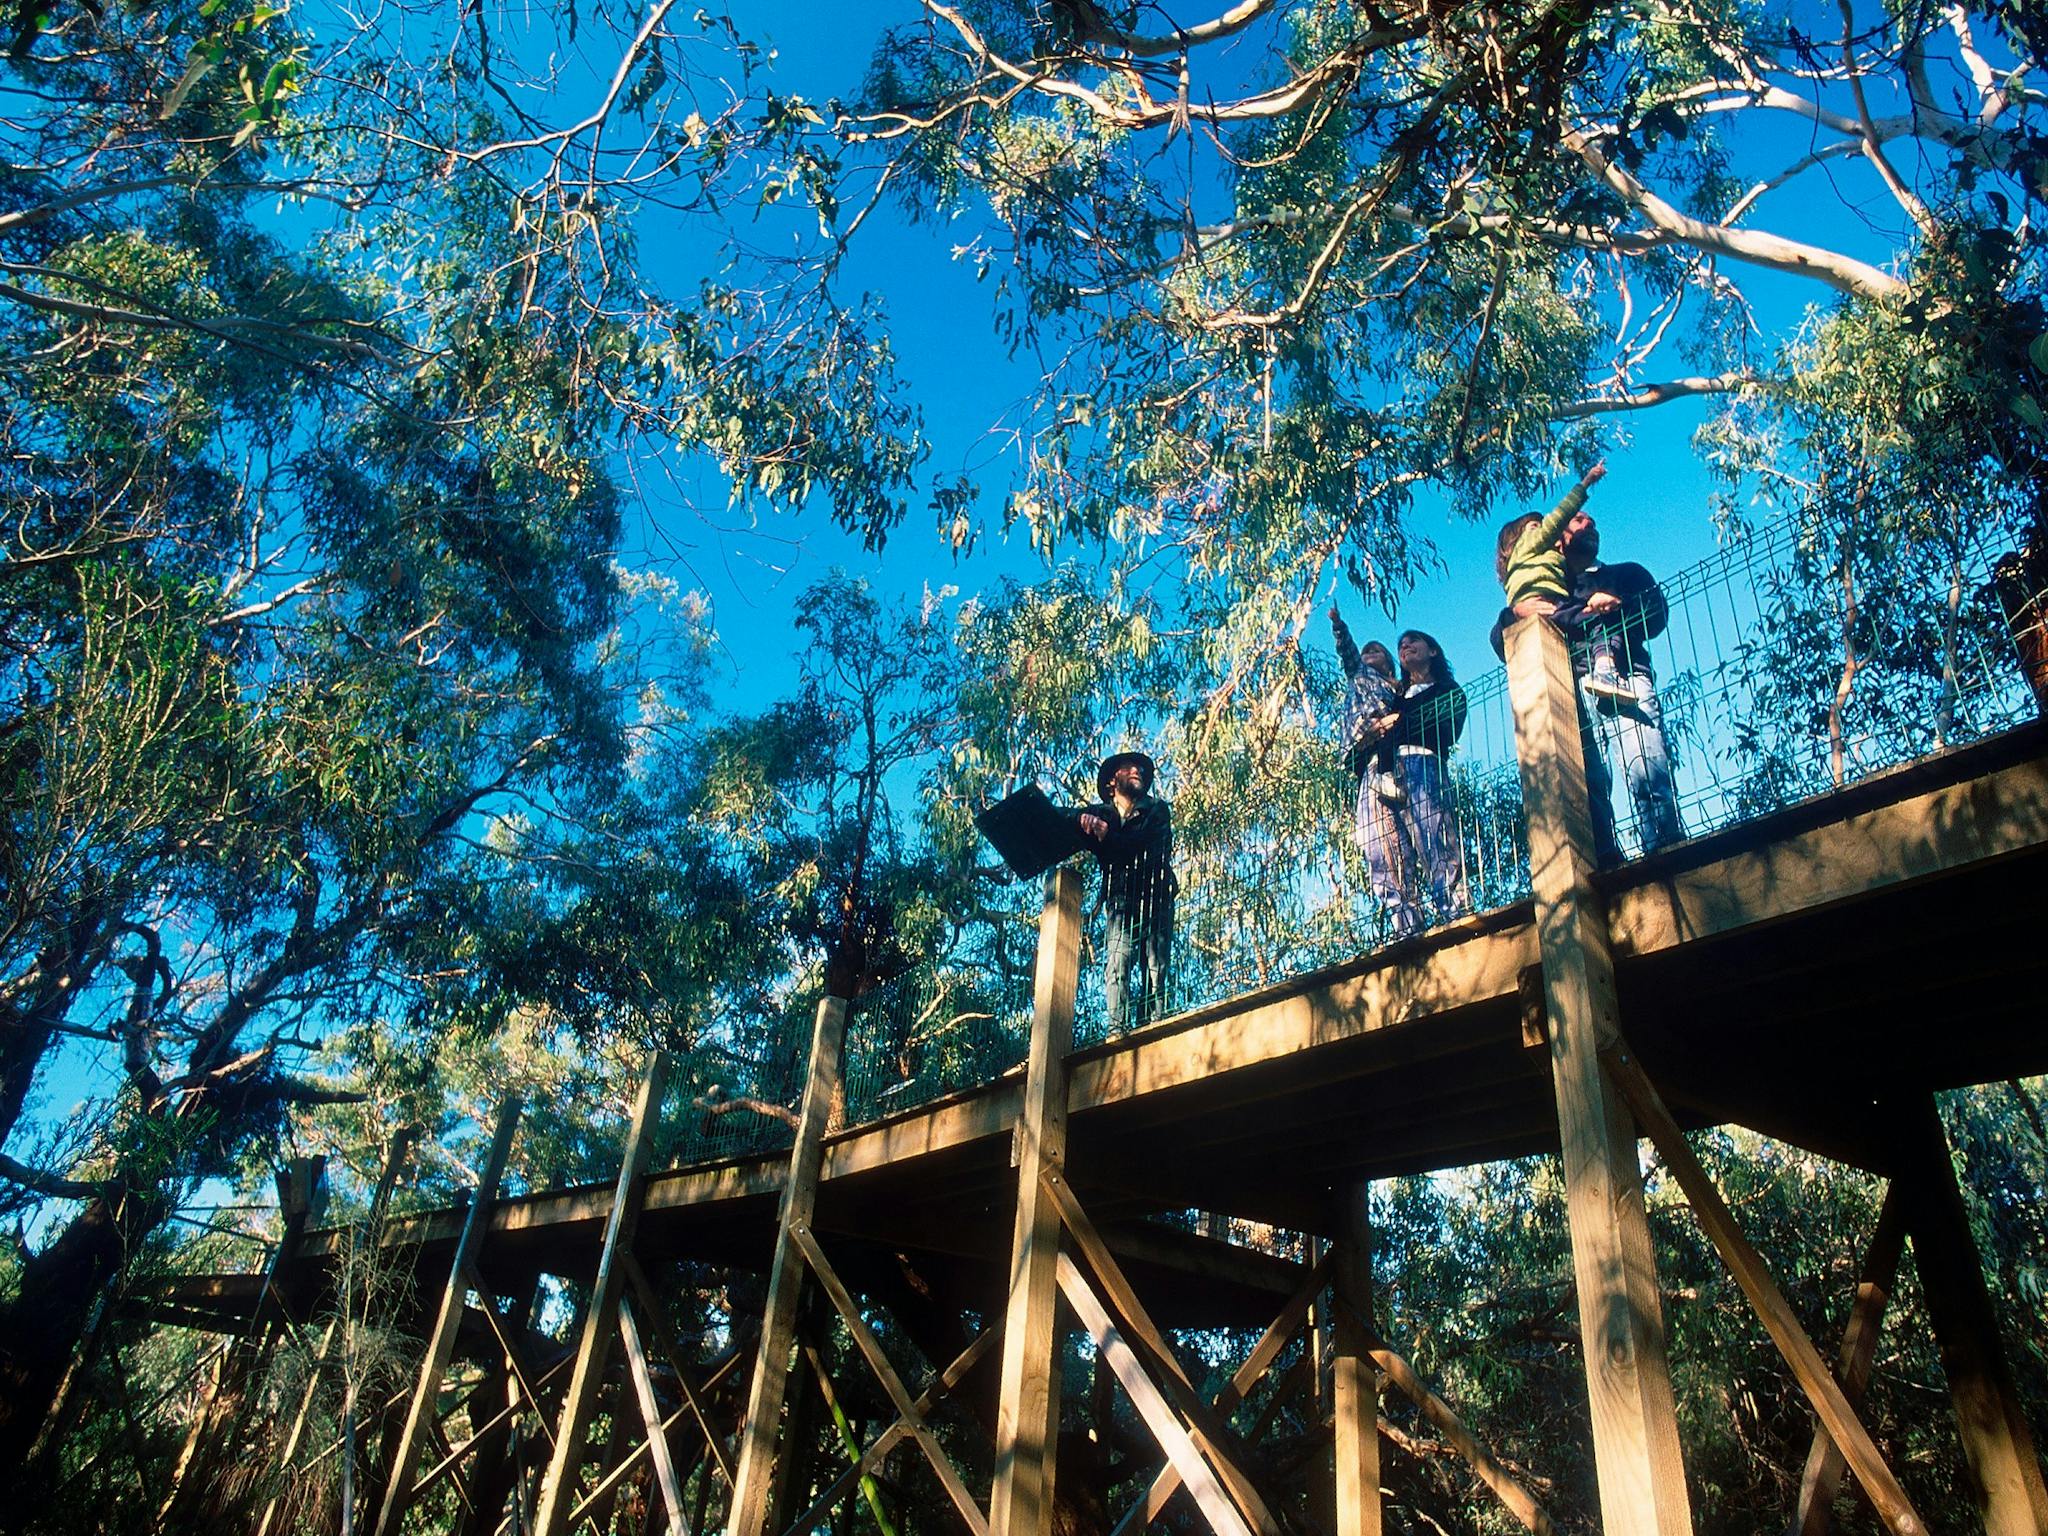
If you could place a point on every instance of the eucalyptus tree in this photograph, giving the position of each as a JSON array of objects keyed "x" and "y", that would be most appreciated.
[
  {"x": 1282, "y": 264},
  {"x": 329, "y": 355}
]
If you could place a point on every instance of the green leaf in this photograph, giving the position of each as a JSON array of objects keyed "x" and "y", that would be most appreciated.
[{"x": 197, "y": 66}]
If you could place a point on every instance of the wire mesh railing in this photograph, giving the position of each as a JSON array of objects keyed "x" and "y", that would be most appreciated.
[
  {"x": 1797, "y": 660},
  {"x": 938, "y": 1028},
  {"x": 1282, "y": 893}
]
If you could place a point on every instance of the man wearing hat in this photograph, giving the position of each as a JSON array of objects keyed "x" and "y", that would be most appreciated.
[{"x": 1132, "y": 831}]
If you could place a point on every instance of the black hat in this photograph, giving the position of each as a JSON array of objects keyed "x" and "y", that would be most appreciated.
[{"x": 1117, "y": 760}]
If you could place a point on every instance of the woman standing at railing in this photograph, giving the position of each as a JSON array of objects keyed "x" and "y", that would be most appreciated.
[{"x": 1410, "y": 842}]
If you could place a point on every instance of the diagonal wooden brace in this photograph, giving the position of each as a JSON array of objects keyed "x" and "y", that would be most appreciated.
[
  {"x": 1518, "y": 1501},
  {"x": 650, "y": 1415},
  {"x": 1256, "y": 1364},
  {"x": 441, "y": 1341},
  {"x": 1218, "y": 1509},
  {"x": 1221, "y": 1446},
  {"x": 693, "y": 1396},
  {"x": 1824, "y": 1464},
  {"x": 906, "y": 1408},
  {"x": 579, "y": 1400},
  {"x": 1747, "y": 1265},
  {"x": 872, "y": 1458}
]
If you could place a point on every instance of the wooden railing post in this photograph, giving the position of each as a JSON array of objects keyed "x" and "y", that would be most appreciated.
[
  {"x": 1998, "y": 1445},
  {"x": 1635, "y": 1426},
  {"x": 1027, "y": 1411},
  {"x": 420, "y": 1415},
  {"x": 1355, "y": 1389},
  {"x": 753, "y": 1479},
  {"x": 600, "y": 1317}
]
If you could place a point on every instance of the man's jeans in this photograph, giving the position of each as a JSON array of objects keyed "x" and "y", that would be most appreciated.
[
  {"x": 1412, "y": 846},
  {"x": 1633, "y": 733},
  {"x": 1144, "y": 936}
]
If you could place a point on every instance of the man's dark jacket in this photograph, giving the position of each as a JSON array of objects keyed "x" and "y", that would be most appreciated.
[
  {"x": 1642, "y": 615},
  {"x": 1136, "y": 854}
]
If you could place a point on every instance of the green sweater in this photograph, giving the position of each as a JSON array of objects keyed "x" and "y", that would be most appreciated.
[{"x": 1536, "y": 567}]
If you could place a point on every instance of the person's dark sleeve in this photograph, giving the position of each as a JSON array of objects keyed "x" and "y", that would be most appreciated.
[
  {"x": 1347, "y": 648},
  {"x": 1125, "y": 842},
  {"x": 1433, "y": 718},
  {"x": 1643, "y": 614}
]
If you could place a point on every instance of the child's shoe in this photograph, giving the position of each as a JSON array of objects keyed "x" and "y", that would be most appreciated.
[
  {"x": 1387, "y": 785},
  {"x": 1608, "y": 688}
]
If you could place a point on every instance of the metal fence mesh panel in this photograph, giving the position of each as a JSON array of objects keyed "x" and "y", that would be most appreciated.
[{"x": 1791, "y": 665}]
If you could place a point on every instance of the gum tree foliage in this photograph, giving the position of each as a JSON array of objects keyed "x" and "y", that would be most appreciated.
[
  {"x": 1279, "y": 266},
  {"x": 326, "y": 358},
  {"x": 1282, "y": 263}
]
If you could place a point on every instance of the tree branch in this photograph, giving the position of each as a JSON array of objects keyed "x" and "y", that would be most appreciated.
[
  {"x": 1658, "y": 394},
  {"x": 1095, "y": 27},
  {"x": 1845, "y": 274},
  {"x": 43, "y": 1182}
]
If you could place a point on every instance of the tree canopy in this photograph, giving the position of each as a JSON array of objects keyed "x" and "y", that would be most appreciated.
[{"x": 353, "y": 767}]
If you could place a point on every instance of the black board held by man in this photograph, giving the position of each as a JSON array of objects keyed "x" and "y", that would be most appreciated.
[{"x": 1130, "y": 831}]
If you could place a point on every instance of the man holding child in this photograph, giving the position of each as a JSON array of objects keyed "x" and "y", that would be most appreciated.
[{"x": 1551, "y": 566}]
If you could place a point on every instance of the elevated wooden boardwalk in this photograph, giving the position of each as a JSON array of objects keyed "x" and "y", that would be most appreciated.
[{"x": 1815, "y": 975}]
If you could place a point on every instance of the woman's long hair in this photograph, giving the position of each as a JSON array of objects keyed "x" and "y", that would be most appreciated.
[{"x": 1439, "y": 664}]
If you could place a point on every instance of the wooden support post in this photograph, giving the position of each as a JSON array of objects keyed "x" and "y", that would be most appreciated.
[
  {"x": 373, "y": 1226},
  {"x": 802, "y": 1407},
  {"x": 1824, "y": 1465},
  {"x": 1772, "y": 1310},
  {"x": 558, "y": 1487},
  {"x": 753, "y": 1478},
  {"x": 1356, "y": 1385},
  {"x": 1318, "y": 1346},
  {"x": 488, "y": 1483},
  {"x": 1028, "y": 1402},
  {"x": 447, "y": 1323},
  {"x": 1635, "y": 1423},
  {"x": 1997, "y": 1443}
]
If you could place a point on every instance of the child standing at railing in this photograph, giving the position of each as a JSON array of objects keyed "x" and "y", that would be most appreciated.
[
  {"x": 1371, "y": 696},
  {"x": 1530, "y": 562}
]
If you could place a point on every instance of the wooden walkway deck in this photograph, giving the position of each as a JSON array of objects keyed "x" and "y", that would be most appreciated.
[
  {"x": 1814, "y": 975},
  {"x": 1784, "y": 975}
]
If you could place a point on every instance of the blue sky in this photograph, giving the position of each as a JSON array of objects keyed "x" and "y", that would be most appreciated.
[{"x": 1654, "y": 507}]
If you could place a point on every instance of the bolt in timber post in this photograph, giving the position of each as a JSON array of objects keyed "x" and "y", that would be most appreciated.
[
  {"x": 1028, "y": 1410},
  {"x": 1635, "y": 1426},
  {"x": 753, "y": 1480}
]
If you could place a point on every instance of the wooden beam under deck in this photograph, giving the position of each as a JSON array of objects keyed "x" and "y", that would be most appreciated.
[{"x": 1729, "y": 951}]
